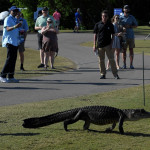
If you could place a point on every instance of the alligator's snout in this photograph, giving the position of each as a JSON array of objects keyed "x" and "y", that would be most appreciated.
[{"x": 139, "y": 114}]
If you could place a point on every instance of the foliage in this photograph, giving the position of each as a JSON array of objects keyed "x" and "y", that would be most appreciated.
[{"x": 90, "y": 10}]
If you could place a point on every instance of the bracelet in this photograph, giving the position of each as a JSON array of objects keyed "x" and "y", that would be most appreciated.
[{"x": 14, "y": 26}]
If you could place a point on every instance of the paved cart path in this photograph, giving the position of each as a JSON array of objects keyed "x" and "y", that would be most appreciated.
[{"x": 85, "y": 80}]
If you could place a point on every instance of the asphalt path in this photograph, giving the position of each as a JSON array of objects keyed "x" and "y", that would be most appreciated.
[{"x": 82, "y": 81}]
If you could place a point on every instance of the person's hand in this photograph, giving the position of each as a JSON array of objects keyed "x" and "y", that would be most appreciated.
[
  {"x": 18, "y": 25},
  {"x": 119, "y": 34},
  {"x": 40, "y": 27},
  {"x": 127, "y": 26},
  {"x": 94, "y": 48}
]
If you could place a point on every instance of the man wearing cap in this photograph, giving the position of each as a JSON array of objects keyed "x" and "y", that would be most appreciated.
[
  {"x": 129, "y": 22},
  {"x": 11, "y": 41},
  {"x": 40, "y": 23}
]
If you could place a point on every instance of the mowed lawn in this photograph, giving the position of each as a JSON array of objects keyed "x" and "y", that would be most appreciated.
[
  {"x": 137, "y": 133},
  {"x": 32, "y": 60},
  {"x": 14, "y": 137}
]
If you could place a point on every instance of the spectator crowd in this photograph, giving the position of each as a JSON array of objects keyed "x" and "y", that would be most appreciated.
[{"x": 110, "y": 37}]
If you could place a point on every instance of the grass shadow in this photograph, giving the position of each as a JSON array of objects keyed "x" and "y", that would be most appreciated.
[
  {"x": 126, "y": 133},
  {"x": 19, "y": 134}
]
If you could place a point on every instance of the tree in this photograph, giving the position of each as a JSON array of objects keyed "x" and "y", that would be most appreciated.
[
  {"x": 31, "y": 6},
  {"x": 90, "y": 10}
]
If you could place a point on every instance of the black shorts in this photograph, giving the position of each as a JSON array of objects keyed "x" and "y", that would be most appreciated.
[
  {"x": 21, "y": 47},
  {"x": 40, "y": 39}
]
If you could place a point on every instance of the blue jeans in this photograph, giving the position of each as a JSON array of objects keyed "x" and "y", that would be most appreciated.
[{"x": 10, "y": 63}]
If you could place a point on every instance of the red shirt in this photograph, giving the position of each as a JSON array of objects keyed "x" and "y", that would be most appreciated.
[{"x": 56, "y": 15}]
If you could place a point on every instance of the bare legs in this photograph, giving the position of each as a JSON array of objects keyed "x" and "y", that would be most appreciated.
[
  {"x": 42, "y": 56},
  {"x": 49, "y": 55},
  {"x": 21, "y": 54},
  {"x": 131, "y": 54}
]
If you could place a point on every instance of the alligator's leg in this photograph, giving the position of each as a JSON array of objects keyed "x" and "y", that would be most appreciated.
[
  {"x": 86, "y": 125},
  {"x": 121, "y": 120},
  {"x": 111, "y": 128},
  {"x": 73, "y": 120}
]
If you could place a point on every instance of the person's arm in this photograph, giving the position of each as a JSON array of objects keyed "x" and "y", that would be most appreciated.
[
  {"x": 95, "y": 38},
  {"x": 44, "y": 30},
  {"x": 113, "y": 35},
  {"x": 94, "y": 44},
  {"x": 134, "y": 23},
  {"x": 13, "y": 27},
  {"x": 37, "y": 27},
  {"x": 26, "y": 29},
  {"x": 54, "y": 29}
]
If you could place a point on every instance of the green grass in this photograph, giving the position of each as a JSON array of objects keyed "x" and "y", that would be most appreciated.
[
  {"x": 14, "y": 137},
  {"x": 144, "y": 30},
  {"x": 32, "y": 60},
  {"x": 141, "y": 45}
]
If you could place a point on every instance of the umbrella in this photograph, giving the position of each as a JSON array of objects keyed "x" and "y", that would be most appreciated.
[{"x": 3, "y": 15}]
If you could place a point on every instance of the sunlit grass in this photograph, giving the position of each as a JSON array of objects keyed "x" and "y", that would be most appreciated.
[
  {"x": 141, "y": 45},
  {"x": 14, "y": 136},
  {"x": 32, "y": 60}
]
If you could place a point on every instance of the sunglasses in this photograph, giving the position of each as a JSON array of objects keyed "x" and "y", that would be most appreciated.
[
  {"x": 105, "y": 16},
  {"x": 15, "y": 10},
  {"x": 117, "y": 17}
]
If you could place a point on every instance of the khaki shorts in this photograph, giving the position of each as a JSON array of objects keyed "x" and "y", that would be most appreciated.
[
  {"x": 130, "y": 43},
  {"x": 21, "y": 47}
]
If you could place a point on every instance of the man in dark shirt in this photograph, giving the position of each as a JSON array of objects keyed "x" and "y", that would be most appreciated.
[{"x": 103, "y": 36}]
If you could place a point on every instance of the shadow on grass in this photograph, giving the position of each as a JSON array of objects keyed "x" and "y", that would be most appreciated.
[
  {"x": 19, "y": 134},
  {"x": 112, "y": 132},
  {"x": 126, "y": 133}
]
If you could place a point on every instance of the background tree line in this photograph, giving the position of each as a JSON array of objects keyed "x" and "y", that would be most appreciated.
[{"x": 90, "y": 10}]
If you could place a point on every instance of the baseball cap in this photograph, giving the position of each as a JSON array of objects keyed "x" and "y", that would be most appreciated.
[
  {"x": 45, "y": 9},
  {"x": 13, "y": 8},
  {"x": 126, "y": 7},
  {"x": 49, "y": 20}
]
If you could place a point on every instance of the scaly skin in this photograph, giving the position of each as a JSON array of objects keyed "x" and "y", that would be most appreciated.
[{"x": 99, "y": 115}]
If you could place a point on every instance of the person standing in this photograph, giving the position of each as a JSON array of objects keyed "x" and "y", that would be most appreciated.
[
  {"x": 129, "y": 22},
  {"x": 23, "y": 34},
  {"x": 11, "y": 41},
  {"x": 57, "y": 17},
  {"x": 50, "y": 44},
  {"x": 77, "y": 20},
  {"x": 40, "y": 23},
  {"x": 103, "y": 31},
  {"x": 116, "y": 45}
]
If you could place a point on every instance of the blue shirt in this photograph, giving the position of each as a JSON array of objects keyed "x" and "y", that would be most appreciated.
[
  {"x": 11, "y": 37},
  {"x": 130, "y": 20},
  {"x": 23, "y": 27},
  {"x": 24, "y": 24},
  {"x": 77, "y": 17}
]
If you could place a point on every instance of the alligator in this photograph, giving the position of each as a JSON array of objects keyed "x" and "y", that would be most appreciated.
[{"x": 99, "y": 115}]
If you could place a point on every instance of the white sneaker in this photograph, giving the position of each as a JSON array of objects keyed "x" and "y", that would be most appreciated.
[
  {"x": 12, "y": 80},
  {"x": 3, "y": 80}
]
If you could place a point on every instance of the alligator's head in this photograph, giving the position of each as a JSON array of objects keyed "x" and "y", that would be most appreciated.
[{"x": 136, "y": 114}]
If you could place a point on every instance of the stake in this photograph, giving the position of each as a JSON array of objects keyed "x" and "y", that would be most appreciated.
[
  {"x": 147, "y": 36},
  {"x": 143, "y": 81}
]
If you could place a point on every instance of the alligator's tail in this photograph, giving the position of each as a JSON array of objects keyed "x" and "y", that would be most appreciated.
[{"x": 50, "y": 119}]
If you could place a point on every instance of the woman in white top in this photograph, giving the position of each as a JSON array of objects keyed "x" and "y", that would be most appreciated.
[{"x": 116, "y": 45}]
